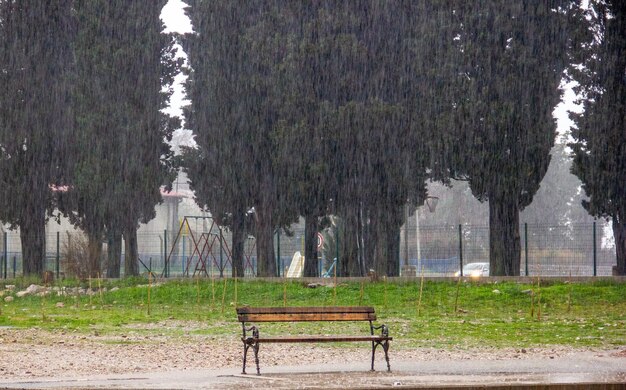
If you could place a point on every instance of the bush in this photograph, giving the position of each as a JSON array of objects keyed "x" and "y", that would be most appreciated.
[{"x": 75, "y": 256}]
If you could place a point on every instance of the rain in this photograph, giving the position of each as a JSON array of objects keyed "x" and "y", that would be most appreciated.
[{"x": 381, "y": 137}]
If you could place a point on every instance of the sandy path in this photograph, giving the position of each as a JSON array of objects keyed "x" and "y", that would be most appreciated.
[{"x": 30, "y": 353}]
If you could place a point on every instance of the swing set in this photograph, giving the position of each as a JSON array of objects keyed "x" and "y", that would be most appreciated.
[{"x": 204, "y": 247}]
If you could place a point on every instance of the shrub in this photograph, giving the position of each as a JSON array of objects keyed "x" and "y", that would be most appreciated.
[{"x": 75, "y": 256}]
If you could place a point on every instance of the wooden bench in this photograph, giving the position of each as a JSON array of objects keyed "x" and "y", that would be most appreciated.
[{"x": 252, "y": 315}]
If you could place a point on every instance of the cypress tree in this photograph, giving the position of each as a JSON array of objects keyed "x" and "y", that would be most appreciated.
[
  {"x": 510, "y": 60},
  {"x": 35, "y": 116},
  {"x": 599, "y": 146},
  {"x": 124, "y": 67},
  {"x": 234, "y": 87}
]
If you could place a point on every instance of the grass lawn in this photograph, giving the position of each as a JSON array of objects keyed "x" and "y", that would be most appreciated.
[{"x": 466, "y": 314}]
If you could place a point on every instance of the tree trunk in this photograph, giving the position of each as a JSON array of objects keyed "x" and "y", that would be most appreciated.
[
  {"x": 310, "y": 246},
  {"x": 95, "y": 255},
  {"x": 361, "y": 233},
  {"x": 114, "y": 254},
  {"x": 349, "y": 261},
  {"x": 238, "y": 239},
  {"x": 385, "y": 227},
  {"x": 131, "y": 258},
  {"x": 379, "y": 263},
  {"x": 619, "y": 233},
  {"x": 33, "y": 237},
  {"x": 368, "y": 243},
  {"x": 504, "y": 237},
  {"x": 266, "y": 258},
  {"x": 396, "y": 217},
  {"x": 392, "y": 255}
]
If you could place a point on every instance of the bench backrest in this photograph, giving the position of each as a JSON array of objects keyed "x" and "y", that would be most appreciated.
[{"x": 297, "y": 314}]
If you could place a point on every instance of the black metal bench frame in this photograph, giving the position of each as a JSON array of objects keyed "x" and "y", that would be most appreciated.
[{"x": 250, "y": 315}]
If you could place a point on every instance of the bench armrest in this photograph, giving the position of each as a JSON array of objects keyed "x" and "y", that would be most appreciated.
[
  {"x": 253, "y": 328},
  {"x": 384, "y": 330}
]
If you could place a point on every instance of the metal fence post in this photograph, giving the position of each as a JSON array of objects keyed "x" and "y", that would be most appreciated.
[
  {"x": 6, "y": 255},
  {"x": 461, "y": 249},
  {"x": 58, "y": 253},
  {"x": 222, "y": 254},
  {"x": 183, "y": 262},
  {"x": 167, "y": 263},
  {"x": 278, "y": 266},
  {"x": 526, "y": 246},
  {"x": 595, "y": 258},
  {"x": 337, "y": 249},
  {"x": 14, "y": 265}
]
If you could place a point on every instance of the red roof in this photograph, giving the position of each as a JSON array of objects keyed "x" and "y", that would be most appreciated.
[{"x": 173, "y": 194}]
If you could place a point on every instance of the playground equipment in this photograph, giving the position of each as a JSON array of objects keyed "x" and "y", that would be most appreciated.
[
  {"x": 329, "y": 271},
  {"x": 204, "y": 245}
]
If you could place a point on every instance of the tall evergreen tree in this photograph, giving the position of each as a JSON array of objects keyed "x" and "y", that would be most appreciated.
[
  {"x": 234, "y": 89},
  {"x": 220, "y": 184},
  {"x": 326, "y": 88},
  {"x": 35, "y": 113},
  {"x": 382, "y": 127},
  {"x": 147, "y": 157},
  {"x": 303, "y": 142},
  {"x": 511, "y": 59},
  {"x": 124, "y": 67},
  {"x": 599, "y": 145}
]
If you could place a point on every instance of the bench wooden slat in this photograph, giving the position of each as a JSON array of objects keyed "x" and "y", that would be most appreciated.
[
  {"x": 320, "y": 309},
  {"x": 319, "y": 339},
  {"x": 303, "y": 317}
]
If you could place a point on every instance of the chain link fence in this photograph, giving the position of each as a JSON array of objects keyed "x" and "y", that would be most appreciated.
[{"x": 546, "y": 250}]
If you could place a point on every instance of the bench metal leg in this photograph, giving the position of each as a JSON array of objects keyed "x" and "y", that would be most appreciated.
[
  {"x": 256, "y": 358},
  {"x": 245, "y": 353},
  {"x": 385, "y": 346},
  {"x": 255, "y": 348},
  {"x": 386, "y": 349},
  {"x": 248, "y": 343}
]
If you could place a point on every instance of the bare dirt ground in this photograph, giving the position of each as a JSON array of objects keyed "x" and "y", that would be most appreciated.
[{"x": 32, "y": 353}]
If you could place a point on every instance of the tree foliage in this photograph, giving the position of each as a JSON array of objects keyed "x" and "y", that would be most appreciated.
[
  {"x": 35, "y": 116},
  {"x": 304, "y": 108},
  {"x": 292, "y": 107},
  {"x": 234, "y": 53},
  {"x": 124, "y": 67},
  {"x": 510, "y": 60},
  {"x": 599, "y": 146}
]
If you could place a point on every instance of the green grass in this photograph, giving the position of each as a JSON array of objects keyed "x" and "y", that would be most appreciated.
[{"x": 576, "y": 314}]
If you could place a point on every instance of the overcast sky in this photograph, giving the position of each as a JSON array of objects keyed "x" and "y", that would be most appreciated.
[
  {"x": 174, "y": 17},
  {"x": 176, "y": 21}
]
